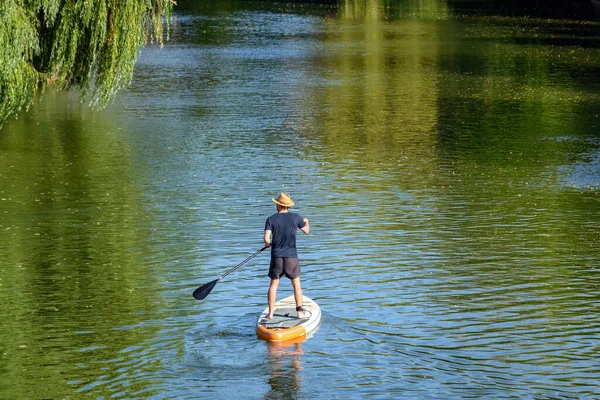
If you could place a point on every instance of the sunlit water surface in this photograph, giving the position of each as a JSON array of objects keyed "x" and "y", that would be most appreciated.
[{"x": 450, "y": 168}]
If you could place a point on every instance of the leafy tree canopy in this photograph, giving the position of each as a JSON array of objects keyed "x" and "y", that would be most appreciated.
[{"x": 91, "y": 45}]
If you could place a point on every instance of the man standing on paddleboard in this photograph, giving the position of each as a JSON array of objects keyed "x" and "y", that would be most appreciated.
[{"x": 280, "y": 235}]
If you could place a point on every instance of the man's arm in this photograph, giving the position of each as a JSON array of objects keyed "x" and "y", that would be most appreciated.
[
  {"x": 306, "y": 226},
  {"x": 267, "y": 238}
]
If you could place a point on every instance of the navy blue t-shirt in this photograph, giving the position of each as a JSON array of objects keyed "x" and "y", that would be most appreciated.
[{"x": 283, "y": 227}]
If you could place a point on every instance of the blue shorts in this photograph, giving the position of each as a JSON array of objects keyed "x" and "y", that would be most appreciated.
[{"x": 281, "y": 266}]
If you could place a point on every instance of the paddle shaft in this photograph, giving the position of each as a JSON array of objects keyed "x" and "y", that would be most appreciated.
[
  {"x": 204, "y": 290},
  {"x": 242, "y": 263}
]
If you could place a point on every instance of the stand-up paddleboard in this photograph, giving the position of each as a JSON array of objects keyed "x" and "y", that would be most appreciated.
[{"x": 285, "y": 325}]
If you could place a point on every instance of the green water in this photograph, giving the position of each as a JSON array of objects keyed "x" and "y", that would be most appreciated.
[{"x": 449, "y": 163}]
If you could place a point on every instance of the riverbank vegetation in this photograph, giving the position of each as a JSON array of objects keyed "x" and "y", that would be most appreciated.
[{"x": 87, "y": 45}]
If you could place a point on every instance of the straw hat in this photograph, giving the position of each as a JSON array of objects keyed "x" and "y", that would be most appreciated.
[{"x": 284, "y": 200}]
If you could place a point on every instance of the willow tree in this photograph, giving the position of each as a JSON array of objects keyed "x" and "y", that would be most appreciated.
[{"x": 89, "y": 45}]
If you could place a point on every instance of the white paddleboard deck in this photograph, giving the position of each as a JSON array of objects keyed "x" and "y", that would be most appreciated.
[{"x": 285, "y": 325}]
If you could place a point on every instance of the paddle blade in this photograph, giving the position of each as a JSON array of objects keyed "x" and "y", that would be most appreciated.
[{"x": 204, "y": 290}]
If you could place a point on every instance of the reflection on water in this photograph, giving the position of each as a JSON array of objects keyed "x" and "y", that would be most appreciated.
[
  {"x": 448, "y": 165},
  {"x": 285, "y": 363},
  {"x": 374, "y": 10},
  {"x": 73, "y": 230}
]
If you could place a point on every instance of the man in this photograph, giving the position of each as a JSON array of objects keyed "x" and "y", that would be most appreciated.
[{"x": 280, "y": 235}]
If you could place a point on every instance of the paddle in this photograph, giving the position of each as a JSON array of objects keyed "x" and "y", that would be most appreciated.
[{"x": 205, "y": 289}]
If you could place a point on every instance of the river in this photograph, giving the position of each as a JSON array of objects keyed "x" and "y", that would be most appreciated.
[{"x": 448, "y": 162}]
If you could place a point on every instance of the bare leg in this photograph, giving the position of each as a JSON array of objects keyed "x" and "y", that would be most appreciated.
[
  {"x": 272, "y": 296},
  {"x": 297, "y": 294}
]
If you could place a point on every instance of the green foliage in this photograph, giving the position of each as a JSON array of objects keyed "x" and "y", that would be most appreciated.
[{"x": 86, "y": 44}]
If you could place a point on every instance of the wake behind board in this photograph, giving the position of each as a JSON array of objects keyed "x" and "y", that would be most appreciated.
[{"x": 285, "y": 325}]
